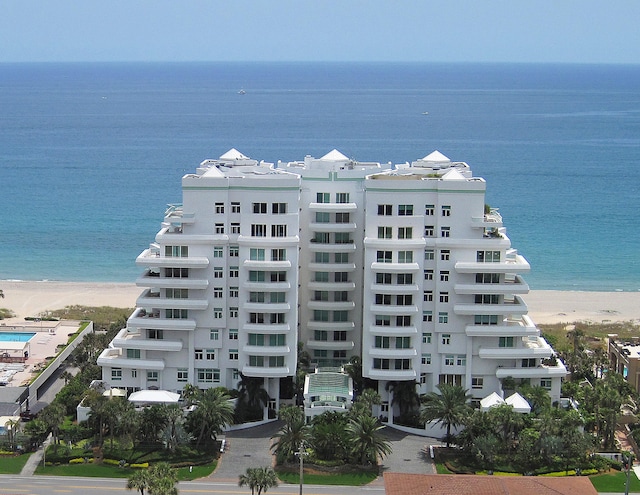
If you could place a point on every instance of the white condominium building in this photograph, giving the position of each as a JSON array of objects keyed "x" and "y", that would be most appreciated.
[{"x": 402, "y": 265}]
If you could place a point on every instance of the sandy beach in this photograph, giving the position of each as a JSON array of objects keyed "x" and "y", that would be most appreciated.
[{"x": 26, "y": 298}]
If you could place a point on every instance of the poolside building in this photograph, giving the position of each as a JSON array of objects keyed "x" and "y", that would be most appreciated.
[{"x": 402, "y": 265}]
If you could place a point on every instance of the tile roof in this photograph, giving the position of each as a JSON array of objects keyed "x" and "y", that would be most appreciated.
[{"x": 461, "y": 484}]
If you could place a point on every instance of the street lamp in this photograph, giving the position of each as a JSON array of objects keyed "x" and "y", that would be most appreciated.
[{"x": 301, "y": 453}]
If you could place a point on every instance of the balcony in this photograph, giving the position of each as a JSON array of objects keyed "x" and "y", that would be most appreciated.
[
  {"x": 392, "y": 353},
  {"x": 265, "y": 371},
  {"x": 394, "y": 267},
  {"x": 151, "y": 257},
  {"x": 333, "y": 345},
  {"x": 245, "y": 240},
  {"x": 531, "y": 347},
  {"x": 391, "y": 375},
  {"x": 330, "y": 325},
  {"x": 508, "y": 307},
  {"x": 266, "y": 265},
  {"x": 393, "y": 331},
  {"x": 332, "y": 227},
  {"x": 141, "y": 319},
  {"x": 493, "y": 219},
  {"x": 514, "y": 264},
  {"x": 153, "y": 299},
  {"x": 332, "y": 267},
  {"x": 514, "y": 327},
  {"x": 148, "y": 279},
  {"x": 542, "y": 371},
  {"x": 394, "y": 289},
  {"x": 265, "y": 286},
  {"x": 266, "y": 328},
  {"x": 331, "y": 286},
  {"x": 515, "y": 285},
  {"x": 129, "y": 340},
  {"x": 333, "y": 207},
  {"x": 320, "y": 247},
  {"x": 112, "y": 358},
  {"x": 332, "y": 305},
  {"x": 264, "y": 350},
  {"x": 267, "y": 307},
  {"x": 384, "y": 309},
  {"x": 413, "y": 243}
]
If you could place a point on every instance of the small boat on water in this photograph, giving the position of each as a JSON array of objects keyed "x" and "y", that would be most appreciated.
[{"x": 242, "y": 92}]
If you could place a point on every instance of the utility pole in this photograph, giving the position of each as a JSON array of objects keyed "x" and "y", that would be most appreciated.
[
  {"x": 301, "y": 453},
  {"x": 628, "y": 461}
]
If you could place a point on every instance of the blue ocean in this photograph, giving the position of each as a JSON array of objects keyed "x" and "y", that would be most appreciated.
[{"x": 90, "y": 154}]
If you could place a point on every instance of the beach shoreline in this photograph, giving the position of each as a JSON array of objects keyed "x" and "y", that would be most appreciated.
[{"x": 30, "y": 298}]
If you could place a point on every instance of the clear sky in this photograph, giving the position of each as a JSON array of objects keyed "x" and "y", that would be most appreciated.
[{"x": 580, "y": 31}]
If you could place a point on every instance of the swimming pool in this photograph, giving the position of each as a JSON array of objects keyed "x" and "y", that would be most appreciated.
[{"x": 15, "y": 336}]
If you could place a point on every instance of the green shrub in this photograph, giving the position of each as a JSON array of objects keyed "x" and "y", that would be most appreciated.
[
  {"x": 142, "y": 465},
  {"x": 77, "y": 460}
]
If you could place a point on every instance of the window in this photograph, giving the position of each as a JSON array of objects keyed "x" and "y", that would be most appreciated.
[
  {"x": 427, "y": 296},
  {"x": 403, "y": 321},
  {"x": 256, "y": 339},
  {"x": 486, "y": 319},
  {"x": 429, "y": 230},
  {"x": 133, "y": 353},
  {"x": 443, "y": 317},
  {"x": 217, "y": 273},
  {"x": 444, "y": 297},
  {"x": 176, "y": 314},
  {"x": 321, "y": 295},
  {"x": 383, "y": 320},
  {"x": 320, "y": 315},
  {"x": 429, "y": 254},
  {"x": 277, "y": 340},
  {"x": 505, "y": 342},
  {"x": 341, "y": 296},
  {"x": 233, "y": 334},
  {"x": 341, "y": 258},
  {"x": 278, "y": 231},
  {"x": 380, "y": 364},
  {"x": 235, "y": 207},
  {"x": 176, "y": 272},
  {"x": 218, "y": 252},
  {"x": 152, "y": 376},
  {"x": 445, "y": 231},
  {"x": 343, "y": 238},
  {"x": 477, "y": 382},
  {"x": 405, "y": 210},
  {"x": 217, "y": 292},
  {"x": 427, "y": 316},
  {"x": 233, "y": 354},
  {"x": 322, "y": 258},
  {"x": 343, "y": 217},
  {"x": 217, "y": 313},
  {"x": 428, "y": 274},
  {"x": 385, "y": 232},
  {"x": 198, "y": 353},
  {"x": 255, "y": 276},
  {"x": 403, "y": 342},
  {"x": 404, "y": 300},
  {"x": 235, "y": 228},
  {"x": 256, "y": 318},
  {"x": 234, "y": 251},
  {"x": 340, "y": 316},
  {"x": 210, "y": 354},
  {"x": 276, "y": 361},
  {"x": 446, "y": 211},
  {"x": 446, "y": 339},
  {"x": 219, "y": 207},
  {"x": 278, "y": 255},
  {"x": 384, "y": 299},
  {"x": 208, "y": 375},
  {"x": 258, "y": 230},
  {"x": 381, "y": 342},
  {"x": 183, "y": 375},
  {"x": 321, "y": 276},
  {"x": 488, "y": 256},
  {"x": 278, "y": 208},
  {"x": 116, "y": 373},
  {"x": 487, "y": 299},
  {"x": 233, "y": 272},
  {"x": 320, "y": 335},
  {"x": 444, "y": 276},
  {"x": 385, "y": 210},
  {"x": 278, "y": 276},
  {"x": 429, "y": 209},
  {"x": 177, "y": 293},
  {"x": 545, "y": 383},
  {"x": 342, "y": 197},
  {"x": 322, "y": 217},
  {"x": 214, "y": 334},
  {"x": 445, "y": 255},
  {"x": 153, "y": 334},
  {"x": 276, "y": 297},
  {"x": 340, "y": 336},
  {"x": 426, "y": 358},
  {"x": 219, "y": 228},
  {"x": 256, "y": 254},
  {"x": 450, "y": 380},
  {"x": 321, "y": 238},
  {"x": 529, "y": 363},
  {"x": 461, "y": 360},
  {"x": 383, "y": 256},
  {"x": 256, "y": 361},
  {"x": 405, "y": 278},
  {"x": 176, "y": 251},
  {"x": 405, "y": 256},
  {"x": 259, "y": 208},
  {"x": 323, "y": 198},
  {"x": 233, "y": 312},
  {"x": 448, "y": 360},
  {"x": 134, "y": 373},
  {"x": 402, "y": 364},
  {"x": 233, "y": 292},
  {"x": 405, "y": 232},
  {"x": 487, "y": 278},
  {"x": 341, "y": 277},
  {"x": 426, "y": 338},
  {"x": 383, "y": 278}
]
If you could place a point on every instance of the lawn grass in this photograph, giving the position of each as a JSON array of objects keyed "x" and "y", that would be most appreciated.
[
  {"x": 13, "y": 464},
  {"x": 346, "y": 479},
  {"x": 92, "y": 470},
  {"x": 614, "y": 482}
]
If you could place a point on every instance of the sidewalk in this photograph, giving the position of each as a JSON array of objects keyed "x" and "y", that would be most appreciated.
[{"x": 36, "y": 458}]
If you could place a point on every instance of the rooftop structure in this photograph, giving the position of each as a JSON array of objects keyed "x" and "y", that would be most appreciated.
[
  {"x": 624, "y": 356},
  {"x": 401, "y": 265}
]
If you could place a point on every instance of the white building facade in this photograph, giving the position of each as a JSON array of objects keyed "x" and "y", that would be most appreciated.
[{"x": 403, "y": 266}]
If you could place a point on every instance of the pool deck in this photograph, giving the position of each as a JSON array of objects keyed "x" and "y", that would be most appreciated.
[{"x": 48, "y": 336}]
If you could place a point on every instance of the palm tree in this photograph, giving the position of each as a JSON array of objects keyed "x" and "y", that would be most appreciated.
[
  {"x": 213, "y": 411},
  {"x": 139, "y": 480},
  {"x": 404, "y": 395},
  {"x": 367, "y": 444},
  {"x": 66, "y": 376},
  {"x": 53, "y": 416},
  {"x": 12, "y": 427},
  {"x": 258, "y": 479},
  {"x": 174, "y": 417},
  {"x": 251, "y": 395},
  {"x": 449, "y": 407},
  {"x": 288, "y": 439},
  {"x": 162, "y": 479}
]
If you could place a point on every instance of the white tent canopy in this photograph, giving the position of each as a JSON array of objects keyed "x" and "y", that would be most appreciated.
[
  {"x": 115, "y": 392},
  {"x": 154, "y": 397},
  {"x": 518, "y": 403},
  {"x": 490, "y": 401}
]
